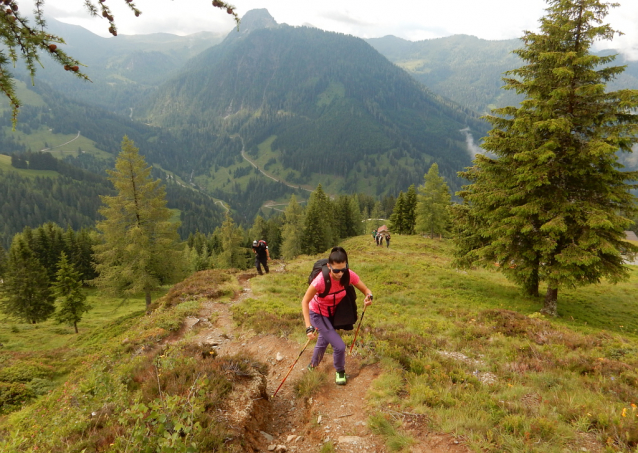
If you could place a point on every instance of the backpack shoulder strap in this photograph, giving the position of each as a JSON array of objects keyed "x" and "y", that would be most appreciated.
[{"x": 326, "y": 280}]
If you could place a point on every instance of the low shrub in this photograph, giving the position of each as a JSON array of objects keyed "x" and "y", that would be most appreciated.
[{"x": 13, "y": 395}]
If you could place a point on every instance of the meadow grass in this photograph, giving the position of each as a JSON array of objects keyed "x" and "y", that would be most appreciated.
[
  {"x": 465, "y": 349},
  {"x": 118, "y": 385},
  {"x": 23, "y": 337}
]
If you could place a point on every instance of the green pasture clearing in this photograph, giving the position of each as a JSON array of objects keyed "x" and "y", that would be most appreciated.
[
  {"x": 223, "y": 178},
  {"x": 466, "y": 350},
  {"x": 5, "y": 164},
  {"x": 60, "y": 145},
  {"x": 26, "y": 96},
  {"x": 23, "y": 337},
  {"x": 265, "y": 158}
]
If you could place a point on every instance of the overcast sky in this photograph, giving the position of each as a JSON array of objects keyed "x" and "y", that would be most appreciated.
[{"x": 408, "y": 19}]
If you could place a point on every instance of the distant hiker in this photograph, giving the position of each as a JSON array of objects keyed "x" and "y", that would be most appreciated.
[
  {"x": 262, "y": 255},
  {"x": 319, "y": 312},
  {"x": 387, "y": 240},
  {"x": 374, "y": 235}
]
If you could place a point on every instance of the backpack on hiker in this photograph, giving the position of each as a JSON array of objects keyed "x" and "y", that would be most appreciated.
[{"x": 345, "y": 313}]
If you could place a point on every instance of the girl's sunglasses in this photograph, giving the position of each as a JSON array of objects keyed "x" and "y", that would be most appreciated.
[{"x": 337, "y": 271}]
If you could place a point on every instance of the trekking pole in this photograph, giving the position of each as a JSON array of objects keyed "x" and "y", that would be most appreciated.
[
  {"x": 291, "y": 367},
  {"x": 357, "y": 331}
]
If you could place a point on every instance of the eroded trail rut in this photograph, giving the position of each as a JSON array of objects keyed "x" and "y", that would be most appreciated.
[{"x": 286, "y": 423}]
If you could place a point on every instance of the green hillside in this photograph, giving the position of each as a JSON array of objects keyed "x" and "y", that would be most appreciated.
[
  {"x": 468, "y": 69},
  {"x": 122, "y": 69},
  {"x": 448, "y": 353},
  {"x": 342, "y": 114}
]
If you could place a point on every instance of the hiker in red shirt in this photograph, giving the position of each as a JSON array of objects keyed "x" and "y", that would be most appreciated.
[{"x": 318, "y": 312}]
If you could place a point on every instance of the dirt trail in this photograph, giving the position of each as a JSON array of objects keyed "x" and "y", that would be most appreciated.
[{"x": 285, "y": 423}]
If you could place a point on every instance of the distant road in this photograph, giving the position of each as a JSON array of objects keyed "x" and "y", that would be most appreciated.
[
  {"x": 223, "y": 205},
  {"x": 243, "y": 154},
  {"x": 72, "y": 140}
]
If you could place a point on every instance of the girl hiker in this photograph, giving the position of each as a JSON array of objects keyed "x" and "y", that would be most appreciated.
[{"x": 318, "y": 311}]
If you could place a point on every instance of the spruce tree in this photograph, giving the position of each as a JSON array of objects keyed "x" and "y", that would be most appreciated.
[
  {"x": 71, "y": 301},
  {"x": 397, "y": 220},
  {"x": 318, "y": 233},
  {"x": 259, "y": 229},
  {"x": 433, "y": 203},
  {"x": 273, "y": 235},
  {"x": 355, "y": 218},
  {"x": 25, "y": 291},
  {"x": 139, "y": 243},
  {"x": 409, "y": 207},
  {"x": 292, "y": 233},
  {"x": 549, "y": 203}
]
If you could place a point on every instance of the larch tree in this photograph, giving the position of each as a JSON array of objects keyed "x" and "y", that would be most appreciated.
[
  {"x": 28, "y": 41},
  {"x": 25, "y": 293},
  {"x": 292, "y": 234},
  {"x": 139, "y": 249},
  {"x": 67, "y": 289},
  {"x": 233, "y": 255},
  {"x": 433, "y": 204},
  {"x": 552, "y": 203}
]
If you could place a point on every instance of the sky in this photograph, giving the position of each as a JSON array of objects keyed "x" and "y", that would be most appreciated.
[{"x": 409, "y": 19}]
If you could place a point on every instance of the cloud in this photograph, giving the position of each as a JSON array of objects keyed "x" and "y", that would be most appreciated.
[
  {"x": 472, "y": 148},
  {"x": 345, "y": 19},
  {"x": 629, "y": 160}
]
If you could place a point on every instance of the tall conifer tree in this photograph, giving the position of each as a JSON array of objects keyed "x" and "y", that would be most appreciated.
[
  {"x": 25, "y": 291},
  {"x": 233, "y": 254},
  {"x": 549, "y": 203},
  {"x": 397, "y": 220},
  {"x": 292, "y": 234},
  {"x": 259, "y": 229},
  {"x": 70, "y": 299},
  {"x": 139, "y": 249},
  {"x": 409, "y": 216},
  {"x": 318, "y": 234},
  {"x": 433, "y": 203}
]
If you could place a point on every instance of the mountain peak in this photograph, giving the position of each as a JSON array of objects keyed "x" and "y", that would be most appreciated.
[{"x": 255, "y": 19}]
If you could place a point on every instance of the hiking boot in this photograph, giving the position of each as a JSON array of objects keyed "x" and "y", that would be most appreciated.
[
  {"x": 341, "y": 378},
  {"x": 310, "y": 367}
]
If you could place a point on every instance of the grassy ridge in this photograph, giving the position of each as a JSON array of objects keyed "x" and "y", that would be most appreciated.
[
  {"x": 469, "y": 354},
  {"x": 117, "y": 386}
]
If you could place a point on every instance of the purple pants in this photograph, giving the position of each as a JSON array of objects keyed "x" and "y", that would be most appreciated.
[{"x": 327, "y": 335}]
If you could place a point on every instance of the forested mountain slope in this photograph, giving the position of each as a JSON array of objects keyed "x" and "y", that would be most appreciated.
[
  {"x": 319, "y": 106},
  {"x": 54, "y": 191},
  {"x": 468, "y": 69},
  {"x": 122, "y": 69}
]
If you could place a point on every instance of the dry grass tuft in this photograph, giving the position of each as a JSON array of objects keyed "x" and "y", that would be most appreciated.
[{"x": 208, "y": 284}]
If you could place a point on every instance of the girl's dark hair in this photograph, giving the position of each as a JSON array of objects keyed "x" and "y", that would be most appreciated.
[{"x": 338, "y": 255}]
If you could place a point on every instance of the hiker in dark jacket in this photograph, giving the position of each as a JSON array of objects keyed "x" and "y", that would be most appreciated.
[
  {"x": 262, "y": 255},
  {"x": 317, "y": 311},
  {"x": 387, "y": 240}
]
